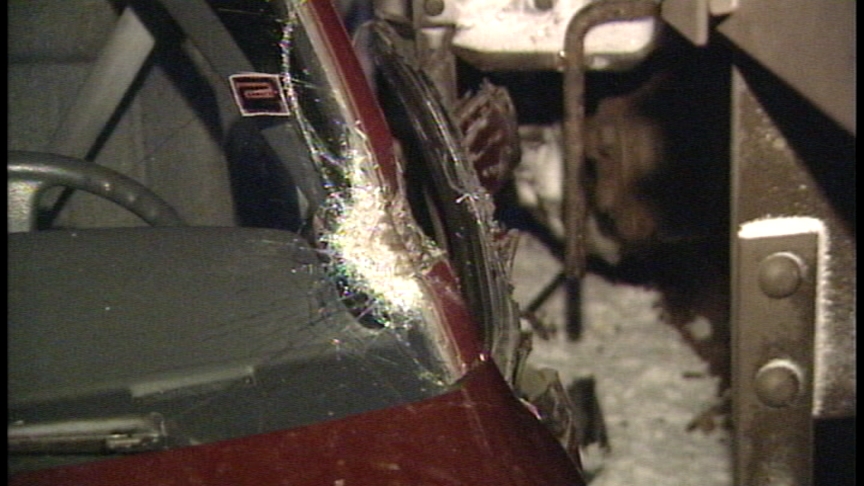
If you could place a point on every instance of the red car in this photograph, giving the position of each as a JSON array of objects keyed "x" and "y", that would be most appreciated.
[{"x": 295, "y": 311}]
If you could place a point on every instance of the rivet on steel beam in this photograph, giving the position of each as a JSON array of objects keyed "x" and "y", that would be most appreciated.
[
  {"x": 433, "y": 7},
  {"x": 780, "y": 274},
  {"x": 778, "y": 383}
]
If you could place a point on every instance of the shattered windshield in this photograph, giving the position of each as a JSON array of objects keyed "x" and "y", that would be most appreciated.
[
  {"x": 378, "y": 250},
  {"x": 295, "y": 293}
]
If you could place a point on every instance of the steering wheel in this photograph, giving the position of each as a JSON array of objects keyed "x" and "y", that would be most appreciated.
[{"x": 31, "y": 173}]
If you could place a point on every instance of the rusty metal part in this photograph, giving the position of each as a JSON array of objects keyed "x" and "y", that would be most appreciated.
[
  {"x": 545, "y": 293},
  {"x": 530, "y": 311},
  {"x": 588, "y": 414},
  {"x": 574, "y": 117},
  {"x": 488, "y": 121}
]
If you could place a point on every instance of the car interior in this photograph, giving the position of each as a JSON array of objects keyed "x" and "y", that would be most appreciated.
[{"x": 164, "y": 289}]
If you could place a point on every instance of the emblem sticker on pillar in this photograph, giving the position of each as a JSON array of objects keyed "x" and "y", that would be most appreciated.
[{"x": 259, "y": 94}]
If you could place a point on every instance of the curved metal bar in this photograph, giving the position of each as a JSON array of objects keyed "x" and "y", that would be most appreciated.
[
  {"x": 574, "y": 116},
  {"x": 30, "y": 173}
]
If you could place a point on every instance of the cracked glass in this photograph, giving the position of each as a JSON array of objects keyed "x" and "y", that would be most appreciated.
[{"x": 297, "y": 292}]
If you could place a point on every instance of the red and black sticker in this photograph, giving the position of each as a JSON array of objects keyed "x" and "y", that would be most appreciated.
[{"x": 259, "y": 94}]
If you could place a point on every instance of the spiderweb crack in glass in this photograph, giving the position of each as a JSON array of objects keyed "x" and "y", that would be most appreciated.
[
  {"x": 369, "y": 247},
  {"x": 366, "y": 232},
  {"x": 284, "y": 342}
]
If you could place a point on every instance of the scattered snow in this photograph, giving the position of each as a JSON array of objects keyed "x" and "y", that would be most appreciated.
[{"x": 649, "y": 382}]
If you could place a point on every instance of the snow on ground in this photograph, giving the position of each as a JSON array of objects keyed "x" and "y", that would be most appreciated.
[{"x": 649, "y": 382}]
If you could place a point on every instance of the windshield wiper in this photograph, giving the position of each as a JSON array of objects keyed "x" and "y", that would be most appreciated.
[{"x": 104, "y": 435}]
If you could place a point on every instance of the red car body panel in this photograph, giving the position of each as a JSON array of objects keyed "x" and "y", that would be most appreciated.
[{"x": 477, "y": 435}]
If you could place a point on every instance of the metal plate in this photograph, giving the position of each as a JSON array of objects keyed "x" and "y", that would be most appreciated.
[
  {"x": 773, "y": 367},
  {"x": 792, "y": 195},
  {"x": 810, "y": 45}
]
